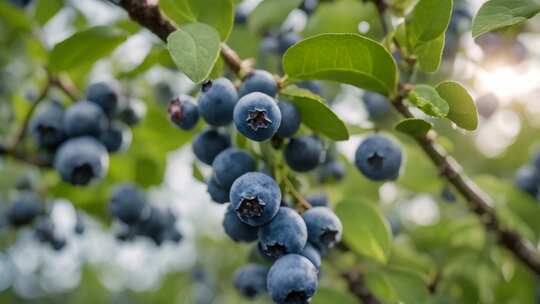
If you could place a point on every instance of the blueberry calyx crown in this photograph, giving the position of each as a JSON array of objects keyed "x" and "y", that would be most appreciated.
[
  {"x": 250, "y": 206},
  {"x": 328, "y": 237},
  {"x": 297, "y": 297},
  {"x": 275, "y": 250},
  {"x": 258, "y": 119},
  {"x": 206, "y": 85},
  {"x": 375, "y": 161},
  {"x": 82, "y": 174},
  {"x": 175, "y": 109}
]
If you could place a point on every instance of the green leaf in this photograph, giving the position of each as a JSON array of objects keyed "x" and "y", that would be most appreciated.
[
  {"x": 218, "y": 14},
  {"x": 270, "y": 13},
  {"x": 85, "y": 47},
  {"x": 429, "y": 54},
  {"x": 414, "y": 127},
  {"x": 408, "y": 286},
  {"x": 428, "y": 20},
  {"x": 46, "y": 9},
  {"x": 365, "y": 229},
  {"x": 496, "y": 14},
  {"x": 328, "y": 295},
  {"x": 428, "y": 100},
  {"x": 344, "y": 17},
  {"x": 462, "y": 107},
  {"x": 194, "y": 48},
  {"x": 346, "y": 58},
  {"x": 14, "y": 17},
  {"x": 316, "y": 114}
]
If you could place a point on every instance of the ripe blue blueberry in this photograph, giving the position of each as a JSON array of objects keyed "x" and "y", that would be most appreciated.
[
  {"x": 378, "y": 158},
  {"x": 318, "y": 200},
  {"x": 331, "y": 170},
  {"x": 158, "y": 225},
  {"x": 324, "y": 227},
  {"x": 230, "y": 165},
  {"x": 286, "y": 40},
  {"x": 250, "y": 280},
  {"x": 58, "y": 243},
  {"x": 241, "y": 15},
  {"x": 24, "y": 209},
  {"x": 292, "y": 279},
  {"x": 269, "y": 45},
  {"x": 85, "y": 118},
  {"x": 105, "y": 96},
  {"x": 81, "y": 160},
  {"x": 259, "y": 81},
  {"x": 217, "y": 101},
  {"x": 128, "y": 203},
  {"x": 286, "y": 233},
  {"x": 133, "y": 112},
  {"x": 256, "y": 198},
  {"x": 447, "y": 195},
  {"x": 377, "y": 106},
  {"x": 217, "y": 193},
  {"x": 312, "y": 254},
  {"x": 303, "y": 153},
  {"x": 527, "y": 178},
  {"x": 257, "y": 116},
  {"x": 208, "y": 144},
  {"x": 44, "y": 230},
  {"x": 237, "y": 230},
  {"x": 116, "y": 138},
  {"x": 183, "y": 112},
  {"x": 290, "y": 119},
  {"x": 46, "y": 126}
]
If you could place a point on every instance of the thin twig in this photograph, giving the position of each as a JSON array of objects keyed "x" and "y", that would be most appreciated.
[
  {"x": 357, "y": 286},
  {"x": 26, "y": 121},
  {"x": 16, "y": 154},
  {"x": 67, "y": 86},
  {"x": 297, "y": 195}
]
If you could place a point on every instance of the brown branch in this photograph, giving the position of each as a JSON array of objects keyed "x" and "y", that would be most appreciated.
[
  {"x": 67, "y": 86},
  {"x": 25, "y": 123},
  {"x": 479, "y": 201},
  {"x": 356, "y": 283},
  {"x": 18, "y": 155}
]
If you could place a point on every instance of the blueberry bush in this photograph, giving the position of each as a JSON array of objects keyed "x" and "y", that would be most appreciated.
[{"x": 269, "y": 151}]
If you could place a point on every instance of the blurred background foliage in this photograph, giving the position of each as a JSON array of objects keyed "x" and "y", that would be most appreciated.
[{"x": 433, "y": 241}]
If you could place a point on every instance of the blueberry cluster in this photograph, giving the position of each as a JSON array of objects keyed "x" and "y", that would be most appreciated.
[
  {"x": 81, "y": 137},
  {"x": 28, "y": 208},
  {"x": 527, "y": 178},
  {"x": 377, "y": 106},
  {"x": 292, "y": 242},
  {"x": 129, "y": 204}
]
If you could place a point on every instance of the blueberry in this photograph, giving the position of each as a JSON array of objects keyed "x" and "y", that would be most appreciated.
[
  {"x": 259, "y": 81},
  {"x": 237, "y": 230},
  {"x": 311, "y": 85},
  {"x": 241, "y": 15},
  {"x": 487, "y": 105},
  {"x": 536, "y": 160},
  {"x": 308, "y": 6},
  {"x": 85, "y": 118},
  {"x": 377, "y": 106},
  {"x": 303, "y": 153},
  {"x": 44, "y": 230},
  {"x": 46, "y": 126},
  {"x": 81, "y": 160},
  {"x": 153, "y": 226},
  {"x": 20, "y": 3},
  {"x": 286, "y": 40},
  {"x": 116, "y": 138},
  {"x": 257, "y": 116},
  {"x": 256, "y": 198},
  {"x": 290, "y": 119},
  {"x": 292, "y": 280},
  {"x": 58, "y": 243},
  {"x": 133, "y": 112},
  {"x": 378, "y": 158},
  {"x": 230, "y": 165},
  {"x": 333, "y": 170},
  {"x": 250, "y": 280},
  {"x": 128, "y": 203},
  {"x": 208, "y": 144},
  {"x": 217, "y": 101},
  {"x": 324, "y": 227},
  {"x": 312, "y": 254},
  {"x": 527, "y": 178},
  {"x": 24, "y": 209},
  {"x": 183, "y": 112},
  {"x": 217, "y": 193},
  {"x": 318, "y": 200},
  {"x": 105, "y": 96},
  {"x": 447, "y": 195},
  {"x": 286, "y": 233},
  {"x": 269, "y": 45}
]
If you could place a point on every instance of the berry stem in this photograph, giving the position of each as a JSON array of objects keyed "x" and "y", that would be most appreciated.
[
  {"x": 356, "y": 283},
  {"x": 67, "y": 86},
  {"x": 292, "y": 190}
]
